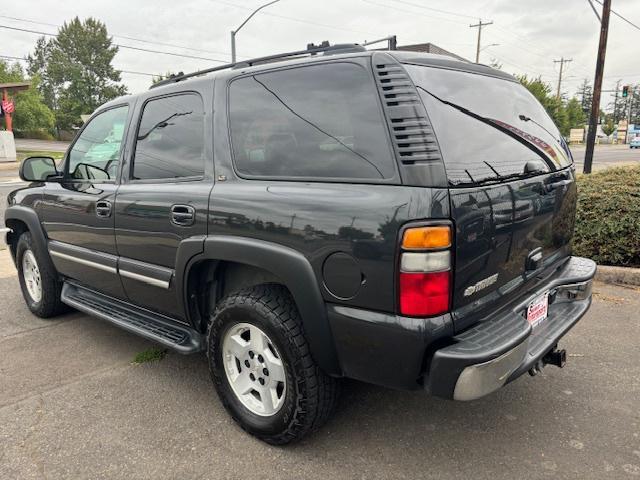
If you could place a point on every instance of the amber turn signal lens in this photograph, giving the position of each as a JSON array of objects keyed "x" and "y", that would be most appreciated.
[{"x": 427, "y": 237}]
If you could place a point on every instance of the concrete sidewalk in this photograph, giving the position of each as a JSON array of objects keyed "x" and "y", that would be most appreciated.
[{"x": 72, "y": 405}]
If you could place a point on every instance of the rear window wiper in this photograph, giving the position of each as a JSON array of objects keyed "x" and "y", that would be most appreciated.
[
  {"x": 488, "y": 181},
  {"x": 502, "y": 127},
  {"x": 500, "y": 177}
]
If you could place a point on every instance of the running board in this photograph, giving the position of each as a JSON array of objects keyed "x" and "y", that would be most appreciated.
[{"x": 147, "y": 324}]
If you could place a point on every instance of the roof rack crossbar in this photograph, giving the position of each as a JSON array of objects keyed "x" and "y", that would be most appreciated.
[{"x": 311, "y": 49}]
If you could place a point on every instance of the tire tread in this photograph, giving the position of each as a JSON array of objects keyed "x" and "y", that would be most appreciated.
[
  {"x": 313, "y": 409},
  {"x": 50, "y": 305}
]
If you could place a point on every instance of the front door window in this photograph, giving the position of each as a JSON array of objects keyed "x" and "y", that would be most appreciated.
[{"x": 96, "y": 153}]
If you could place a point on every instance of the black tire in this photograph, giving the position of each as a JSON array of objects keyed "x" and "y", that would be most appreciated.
[
  {"x": 311, "y": 395},
  {"x": 49, "y": 304}
]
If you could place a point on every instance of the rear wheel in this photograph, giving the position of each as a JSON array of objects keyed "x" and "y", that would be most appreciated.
[
  {"x": 262, "y": 367},
  {"x": 39, "y": 283}
]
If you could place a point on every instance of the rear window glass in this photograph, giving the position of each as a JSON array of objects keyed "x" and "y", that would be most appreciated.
[
  {"x": 488, "y": 129},
  {"x": 313, "y": 122}
]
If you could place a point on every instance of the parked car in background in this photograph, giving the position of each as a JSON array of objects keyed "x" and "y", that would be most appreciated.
[{"x": 635, "y": 142}]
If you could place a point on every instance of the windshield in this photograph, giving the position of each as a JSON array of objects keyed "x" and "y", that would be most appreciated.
[{"x": 489, "y": 129}]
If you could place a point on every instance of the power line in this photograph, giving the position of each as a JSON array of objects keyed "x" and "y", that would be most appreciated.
[
  {"x": 9, "y": 57},
  {"x": 509, "y": 61},
  {"x": 593, "y": 7},
  {"x": 120, "y": 36},
  {"x": 398, "y": 9},
  {"x": 128, "y": 47},
  {"x": 140, "y": 73},
  {"x": 293, "y": 19},
  {"x": 544, "y": 51},
  {"x": 621, "y": 17},
  {"x": 147, "y": 74},
  {"x": 513, "y": 40},
  {"x": 462, "y": 15}
]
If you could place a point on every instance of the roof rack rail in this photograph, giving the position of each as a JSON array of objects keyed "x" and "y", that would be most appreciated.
[{"x": 311, "y": 49}]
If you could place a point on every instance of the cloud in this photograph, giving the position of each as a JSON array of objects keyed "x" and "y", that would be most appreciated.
[{"x": 530, "y": 34}]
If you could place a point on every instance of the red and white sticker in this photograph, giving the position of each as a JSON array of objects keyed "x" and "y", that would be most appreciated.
[{"x": 538, "y": 309}]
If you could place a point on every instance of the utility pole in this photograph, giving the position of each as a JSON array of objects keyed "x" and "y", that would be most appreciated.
[
  {"x": 562, "y": 61},
  {"x": 234, "y": 32},
  {"x": 597, "y": 86},
  {"x": 479, "y": 25}
]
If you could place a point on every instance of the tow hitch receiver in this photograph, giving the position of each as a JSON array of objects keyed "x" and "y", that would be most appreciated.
[
  {"x": 556, "y": 357},
  {"x": 552, "y": 357}
]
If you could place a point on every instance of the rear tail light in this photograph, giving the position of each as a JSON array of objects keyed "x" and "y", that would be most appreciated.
[
  {"x": 425, "y": 271},
  {"x": 420, "y": 238},
  {"x": 424, "y": 294},
  {"x": 425, "y": 262}
]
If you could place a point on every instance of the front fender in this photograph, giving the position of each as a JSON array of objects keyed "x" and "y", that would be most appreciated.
[{"x": 30, "y": 218}]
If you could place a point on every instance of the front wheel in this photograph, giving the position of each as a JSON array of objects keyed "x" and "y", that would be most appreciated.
[
  {"x": 38, "y": 281},
  {"x": 262, "y": 368}
]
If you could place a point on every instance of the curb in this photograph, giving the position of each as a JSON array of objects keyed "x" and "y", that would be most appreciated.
[{"x": 618, "y": 275}]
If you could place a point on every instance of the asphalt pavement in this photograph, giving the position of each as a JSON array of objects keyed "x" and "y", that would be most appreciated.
[
  {"x": 73, "y": 405},
  {"x": 606, "y": 156}
]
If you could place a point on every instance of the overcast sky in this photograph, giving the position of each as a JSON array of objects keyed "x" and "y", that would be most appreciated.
[{"x": 530, "y": 35}]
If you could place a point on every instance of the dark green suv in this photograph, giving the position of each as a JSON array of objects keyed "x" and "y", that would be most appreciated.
[{"x": 393, "y": 217}]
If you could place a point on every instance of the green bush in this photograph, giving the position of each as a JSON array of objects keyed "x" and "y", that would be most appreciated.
[{"x": 608, "y": 217}]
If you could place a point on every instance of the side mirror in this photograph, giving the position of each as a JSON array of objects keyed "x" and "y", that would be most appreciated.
[{"x": 38, "y": 169}]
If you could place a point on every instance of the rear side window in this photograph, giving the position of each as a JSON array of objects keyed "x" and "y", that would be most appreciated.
[
  {"x": 488, "y": 129},
  {"x": 170, "y": 140},
  {"x": 313, "y": 122}
]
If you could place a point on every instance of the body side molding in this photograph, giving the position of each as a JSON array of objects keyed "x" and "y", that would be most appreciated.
[{"x": 82, "y": 261}]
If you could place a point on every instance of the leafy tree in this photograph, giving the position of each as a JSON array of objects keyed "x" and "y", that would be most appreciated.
[
  {"x": 608, "y": 126},
  {"x": 618, "y": 106},
  {"x": 31, "y": 114},
  {"x": 155, "y": 79},
  {"x": 585, "y": 95},
  {"x": 554, "y": 107},
  {"x": 37, "y": 65},
  {"x": 76, "y": 70},
  {"x": 576, "y": 117},
  {"x": 634, "y": 104},
  {"x": 566, "y": 115}
]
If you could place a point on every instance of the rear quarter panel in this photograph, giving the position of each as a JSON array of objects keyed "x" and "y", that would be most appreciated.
[
  {"x": 347, "y": 232},
  {"x": 360, "y": 222}
]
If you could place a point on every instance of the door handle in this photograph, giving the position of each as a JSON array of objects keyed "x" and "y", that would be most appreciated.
[
  {"x": 103, "y": 208},
  {"x": 183, "y": 215}
]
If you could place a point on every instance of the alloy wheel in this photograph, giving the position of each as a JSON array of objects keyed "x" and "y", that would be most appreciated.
[{"x": 254, "y": 369}]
